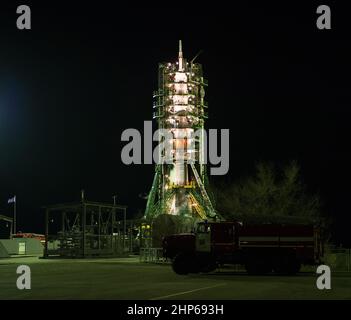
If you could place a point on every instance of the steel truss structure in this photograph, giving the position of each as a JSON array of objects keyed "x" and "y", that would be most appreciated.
[
  {"x": 180, "y": 183},
  {"x": 86, "y": 228}
]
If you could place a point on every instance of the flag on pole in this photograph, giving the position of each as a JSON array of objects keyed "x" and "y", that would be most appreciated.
[{"x": 12, "y": 200}]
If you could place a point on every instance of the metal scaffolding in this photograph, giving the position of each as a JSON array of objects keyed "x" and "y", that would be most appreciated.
[{"x": 86, "y": 228}]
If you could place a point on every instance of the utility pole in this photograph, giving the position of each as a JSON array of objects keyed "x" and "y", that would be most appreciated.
[{"x": 14, "y": 201}]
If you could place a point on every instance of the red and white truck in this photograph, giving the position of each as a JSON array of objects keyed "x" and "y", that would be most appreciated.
[{"x": 261, "y": 248}]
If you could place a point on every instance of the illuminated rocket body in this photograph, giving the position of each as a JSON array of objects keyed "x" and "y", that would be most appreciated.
[{"x": 179, "y": 108}]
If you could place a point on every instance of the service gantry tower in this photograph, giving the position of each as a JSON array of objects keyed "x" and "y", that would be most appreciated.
[{"x": 179, "y": 187}]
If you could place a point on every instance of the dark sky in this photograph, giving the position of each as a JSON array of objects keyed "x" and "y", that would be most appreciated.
[{"x": 86, "y": 72}]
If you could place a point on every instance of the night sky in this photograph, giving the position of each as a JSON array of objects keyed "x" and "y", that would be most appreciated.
[{"x": 86, "y": 72}]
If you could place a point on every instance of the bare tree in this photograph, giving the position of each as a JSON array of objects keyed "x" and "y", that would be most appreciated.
[{"x": 270, "y": 195}]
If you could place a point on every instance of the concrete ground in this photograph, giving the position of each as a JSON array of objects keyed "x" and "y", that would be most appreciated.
[{"x": 126, "y": 278}]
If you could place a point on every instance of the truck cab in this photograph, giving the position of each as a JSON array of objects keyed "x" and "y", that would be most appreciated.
[
  {"x": 219, "y": 239},
  {"x": 210, "y": 243}
]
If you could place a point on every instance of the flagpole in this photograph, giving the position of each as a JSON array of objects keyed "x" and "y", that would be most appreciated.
[{"x": 14, "y": 215}]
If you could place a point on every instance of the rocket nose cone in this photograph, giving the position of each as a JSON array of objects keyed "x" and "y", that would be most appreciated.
[{"x": 180, "y": 47}]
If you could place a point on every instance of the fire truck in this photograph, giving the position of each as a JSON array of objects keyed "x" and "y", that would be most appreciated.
[{"x": 261, "y": 248}]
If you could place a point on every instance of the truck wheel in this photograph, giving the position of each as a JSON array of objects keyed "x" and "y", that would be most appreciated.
[
  {"x": 257, "y": 267},
  {"x": 209, "y": 266},
  {"x": 288, "y": 266},
  {"x": 183, "y": 264},
  {"x": 294, "y": 267}
]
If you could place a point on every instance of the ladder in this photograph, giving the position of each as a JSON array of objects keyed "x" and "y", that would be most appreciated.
[
  {"x": 199, "y": 209},
  {"x": 203, "y": 191}
]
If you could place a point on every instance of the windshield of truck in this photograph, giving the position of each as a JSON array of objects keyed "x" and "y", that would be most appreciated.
[{"x": 203, "y": 228}]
